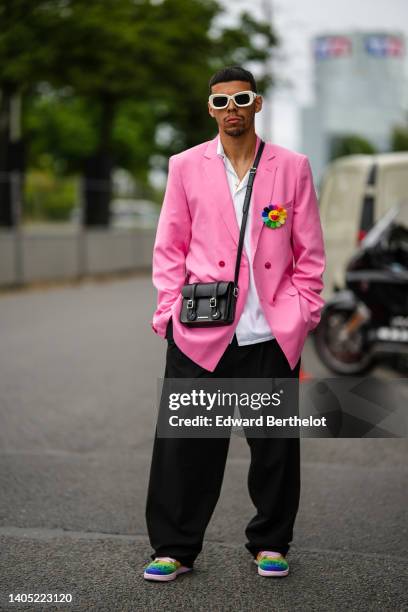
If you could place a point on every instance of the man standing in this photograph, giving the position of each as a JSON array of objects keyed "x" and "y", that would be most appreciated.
[{"x": 279, "y": 302}]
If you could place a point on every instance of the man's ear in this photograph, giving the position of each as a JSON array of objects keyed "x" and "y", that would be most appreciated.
[
  {"x": 258, "y": 104},
  {"x": 210, "y": 111}
]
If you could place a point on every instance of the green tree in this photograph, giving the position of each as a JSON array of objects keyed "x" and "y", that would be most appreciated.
[
  {"x": 351, "y": 144},
  {"x": 63, "y": 133},
  {"x": 399, "y": 138},
  {"x": 161, "y": 54},
  {"x": 121, "y": 72},
  {"x": 197, "y": 50},
  {"x": 25, "y": 52}
]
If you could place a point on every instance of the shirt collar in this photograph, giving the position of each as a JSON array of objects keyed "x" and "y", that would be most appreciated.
[{"x": 220, "y": 148}]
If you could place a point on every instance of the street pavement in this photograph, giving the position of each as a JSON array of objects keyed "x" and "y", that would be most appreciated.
[{"x": 79, "y": 368}]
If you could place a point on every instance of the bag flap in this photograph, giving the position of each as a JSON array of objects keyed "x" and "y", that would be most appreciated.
[{"x": 206, "y": 289}]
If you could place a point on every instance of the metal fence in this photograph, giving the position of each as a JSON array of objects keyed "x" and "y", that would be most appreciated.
[{"x": 34, "y": 248}]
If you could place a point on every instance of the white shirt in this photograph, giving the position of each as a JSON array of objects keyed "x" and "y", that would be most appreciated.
[{"x": 252, "y": 326}]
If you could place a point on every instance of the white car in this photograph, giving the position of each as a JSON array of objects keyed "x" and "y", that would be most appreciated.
[{"x": 355, "y": 193}]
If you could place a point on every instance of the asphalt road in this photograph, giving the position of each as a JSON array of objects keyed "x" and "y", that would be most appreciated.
[{"x": 78, "y": 375}]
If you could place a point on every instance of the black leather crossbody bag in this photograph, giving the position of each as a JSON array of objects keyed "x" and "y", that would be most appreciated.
[{"x": 213, "y": 304}]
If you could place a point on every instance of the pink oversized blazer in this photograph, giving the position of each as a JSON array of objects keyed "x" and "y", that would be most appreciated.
[{"x": 197, "y": 240}]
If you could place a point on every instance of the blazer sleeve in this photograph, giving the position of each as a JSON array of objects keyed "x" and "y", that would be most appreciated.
[
  {"x": 170, "y": 247},
  {"x": 307, "y": 243}
]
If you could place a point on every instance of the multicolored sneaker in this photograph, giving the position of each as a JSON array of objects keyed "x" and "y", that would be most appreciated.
[
  {"x": 271, "y": 563},
  {"x": 164, "y": 569}
]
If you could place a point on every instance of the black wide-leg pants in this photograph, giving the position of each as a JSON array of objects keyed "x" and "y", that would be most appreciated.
[{"x": 186, "y": 474}]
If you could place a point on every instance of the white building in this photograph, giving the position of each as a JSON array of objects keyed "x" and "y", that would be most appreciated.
[{"x": 359, "y": 81}]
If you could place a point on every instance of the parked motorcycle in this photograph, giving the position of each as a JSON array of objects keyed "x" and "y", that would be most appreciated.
[{"x": 367, "y": 322}]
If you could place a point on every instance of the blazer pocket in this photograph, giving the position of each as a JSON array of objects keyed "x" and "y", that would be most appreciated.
[
  {"x": 281, "y": 202},
  {"x": 292, "y": 290}
]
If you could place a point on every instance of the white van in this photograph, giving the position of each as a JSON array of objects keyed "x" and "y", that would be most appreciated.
[{"x": 354, "y": 193}]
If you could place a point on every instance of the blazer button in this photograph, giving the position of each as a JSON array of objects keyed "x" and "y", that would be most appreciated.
[
  {"x": 267, "y": 264},
  {"x": 221, "y": 263}
]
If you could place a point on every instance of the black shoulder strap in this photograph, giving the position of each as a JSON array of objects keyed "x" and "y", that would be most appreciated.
[{"x": 245, "y": 209}]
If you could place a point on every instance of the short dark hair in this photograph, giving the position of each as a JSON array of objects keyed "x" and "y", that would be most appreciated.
[{"x": 233, "y": 73}]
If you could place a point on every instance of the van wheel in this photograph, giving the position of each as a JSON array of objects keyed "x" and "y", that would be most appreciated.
[{"x": 342, "y": 356}]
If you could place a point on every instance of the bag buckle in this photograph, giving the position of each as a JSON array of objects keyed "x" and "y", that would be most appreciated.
[
  {"x": 235, "y": 291},
  {"x": 190, "y": 304},
  {"x": 213, "y": 302}
]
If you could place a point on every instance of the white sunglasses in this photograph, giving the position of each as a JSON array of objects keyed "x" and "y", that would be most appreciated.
[{"x": 242, "y": 98}]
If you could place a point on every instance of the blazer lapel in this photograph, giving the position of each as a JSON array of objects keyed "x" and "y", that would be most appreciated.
[
  {"x": 262, "y": 191},
  {"x": 262, "y": 194},
  {"x": 218, "y": 188}
]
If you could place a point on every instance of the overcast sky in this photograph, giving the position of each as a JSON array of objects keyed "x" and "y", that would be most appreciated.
[{"x": 297, "y": 21}]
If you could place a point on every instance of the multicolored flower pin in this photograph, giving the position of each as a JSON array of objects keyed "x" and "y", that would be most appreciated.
[{"x": 274, "y": 215}]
